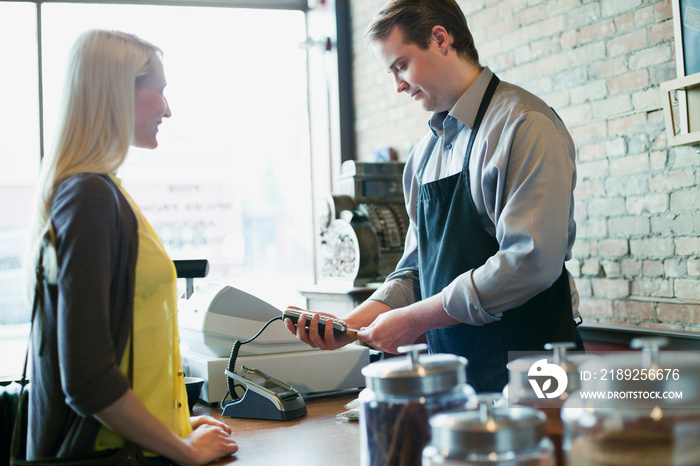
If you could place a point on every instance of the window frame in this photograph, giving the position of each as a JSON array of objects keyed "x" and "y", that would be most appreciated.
[
  {"x": 289, "y": 5},
  {"x": 254, "y": 4}
]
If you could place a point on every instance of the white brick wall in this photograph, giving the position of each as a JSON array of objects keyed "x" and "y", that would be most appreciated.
[{"x": 599, "y": 64}]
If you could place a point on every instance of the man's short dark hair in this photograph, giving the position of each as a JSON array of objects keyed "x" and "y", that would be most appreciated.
[{"x": 416, "y": 18}]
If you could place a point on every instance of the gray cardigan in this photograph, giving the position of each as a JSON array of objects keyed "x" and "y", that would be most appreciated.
[{"x": 87, "y": 318}]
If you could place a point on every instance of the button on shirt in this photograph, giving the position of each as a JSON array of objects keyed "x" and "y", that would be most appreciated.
[{"x": 522, "y": 176}]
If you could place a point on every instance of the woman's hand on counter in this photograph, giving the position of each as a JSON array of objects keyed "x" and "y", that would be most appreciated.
[
  {"x": 209, "y": 441},
  {"x": 197, "y": 421},
  {"x": 128, "y": 417}
]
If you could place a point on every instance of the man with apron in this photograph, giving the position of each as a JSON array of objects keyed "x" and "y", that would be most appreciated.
[{"x": 489, "y": 192}]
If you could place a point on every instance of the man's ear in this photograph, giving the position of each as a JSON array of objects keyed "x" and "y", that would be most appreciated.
[{"x": 440, "y": 35}]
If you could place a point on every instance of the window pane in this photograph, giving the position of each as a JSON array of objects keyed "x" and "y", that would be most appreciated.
[
  {"x": 230, "y": 180},
  {"x": 19, "y": 162}
]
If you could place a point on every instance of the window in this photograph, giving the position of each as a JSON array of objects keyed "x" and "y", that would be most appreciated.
[
  {"x": 231, "y": 178},
  {"x": 19, "y": 162}
]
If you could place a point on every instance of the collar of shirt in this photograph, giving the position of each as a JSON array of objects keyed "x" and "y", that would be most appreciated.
[
  {"x": 452, "y": 130},
  {"x": 465, "y": 110}
]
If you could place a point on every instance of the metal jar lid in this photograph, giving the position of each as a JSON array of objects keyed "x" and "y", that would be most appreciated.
[
  {"x": 519, "y": 388},
  {"x": 416, "y": 375},
  {"x": 649, "y": 370},
  {"x": 486, "y": 430}
]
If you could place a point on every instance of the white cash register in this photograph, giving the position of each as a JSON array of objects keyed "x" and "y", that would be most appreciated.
[{"x": 214, "y": 316}]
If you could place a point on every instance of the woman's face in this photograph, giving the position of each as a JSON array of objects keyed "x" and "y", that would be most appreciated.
[{"x": 151, "y": 107}]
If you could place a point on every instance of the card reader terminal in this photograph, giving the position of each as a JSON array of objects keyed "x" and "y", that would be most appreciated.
[{"x": 265, "y": 397}]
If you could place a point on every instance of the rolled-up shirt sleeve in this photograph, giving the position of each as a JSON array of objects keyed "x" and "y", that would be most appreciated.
[{"x": 400, "y": 289}]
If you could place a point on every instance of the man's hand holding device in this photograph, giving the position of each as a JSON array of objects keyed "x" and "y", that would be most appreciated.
[{"x": 317, "y": 329}]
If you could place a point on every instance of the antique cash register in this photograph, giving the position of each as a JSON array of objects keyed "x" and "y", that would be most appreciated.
[{"x": 360, "y": 237}]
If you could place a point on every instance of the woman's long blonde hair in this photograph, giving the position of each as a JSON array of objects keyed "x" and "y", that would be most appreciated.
[{"x": 97, "y": 124}]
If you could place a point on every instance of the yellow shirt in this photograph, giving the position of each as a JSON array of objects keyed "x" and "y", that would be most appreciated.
[{"x": 158, "y": 378}]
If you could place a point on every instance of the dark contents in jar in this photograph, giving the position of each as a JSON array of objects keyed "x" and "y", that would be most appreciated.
[{"x": 396, "y": 433}]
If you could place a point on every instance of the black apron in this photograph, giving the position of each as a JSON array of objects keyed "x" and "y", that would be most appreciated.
[{"x": 451, "y": 241}]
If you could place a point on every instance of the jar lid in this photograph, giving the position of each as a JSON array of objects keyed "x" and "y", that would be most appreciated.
[
  {"x": 647, "y": 371},
  {"x": 519, "y": 388},
  {"x": 486, "y": 430},
  {"x": 416, "y": 375}
]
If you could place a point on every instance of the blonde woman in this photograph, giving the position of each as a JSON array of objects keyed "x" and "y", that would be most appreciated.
[{"x": 108, "y": 274}]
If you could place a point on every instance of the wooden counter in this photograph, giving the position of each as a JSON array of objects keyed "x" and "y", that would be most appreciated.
[{"x": 315, "y": 439}]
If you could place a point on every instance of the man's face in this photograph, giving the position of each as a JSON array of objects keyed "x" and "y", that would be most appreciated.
[{"x": 418, "y": 72}]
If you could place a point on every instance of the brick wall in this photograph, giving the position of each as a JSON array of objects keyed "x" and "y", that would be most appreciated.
[{"x": 598, "y": 64}]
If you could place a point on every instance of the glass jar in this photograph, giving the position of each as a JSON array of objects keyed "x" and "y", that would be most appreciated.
[
  {"x": 401, "y": 395},
  {"x": 520, "y": 390},
  {"x": 635, "y": 409},
  {"x": 490, "y": 436}
]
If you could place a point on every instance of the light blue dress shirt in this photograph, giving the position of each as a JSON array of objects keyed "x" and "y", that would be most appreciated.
[{"x": 522, "y": 177}]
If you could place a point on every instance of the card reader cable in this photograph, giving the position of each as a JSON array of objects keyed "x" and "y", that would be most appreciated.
[{"x": 232, "y": 363}]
